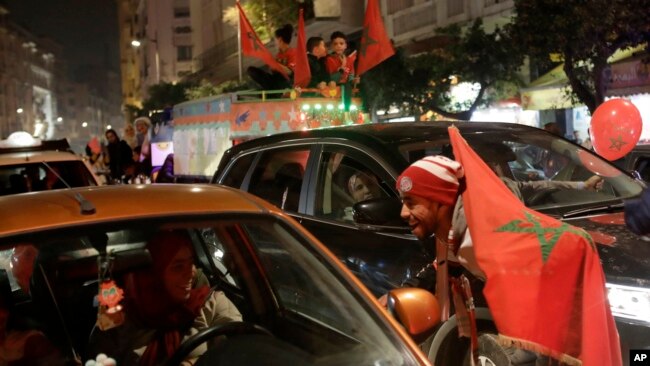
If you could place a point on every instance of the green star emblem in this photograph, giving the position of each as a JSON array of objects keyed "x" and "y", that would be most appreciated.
[
  {"x": 251, "y": 36},
  {"x": 617, "y": 142},
  {"x": 366, "y": 40},
  {"x": 547, "y": 244}
]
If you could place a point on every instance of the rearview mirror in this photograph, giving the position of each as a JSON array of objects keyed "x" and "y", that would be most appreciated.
[
  {"x": 416, "y": 309},
  {"x": 378, "y": 211}
]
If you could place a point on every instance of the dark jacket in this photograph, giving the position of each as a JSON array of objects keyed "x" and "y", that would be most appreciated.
[
  {"x": 318, "y": 71},
  {"x": 637, "y": 214},
  {"x": 119, "y": 155}
]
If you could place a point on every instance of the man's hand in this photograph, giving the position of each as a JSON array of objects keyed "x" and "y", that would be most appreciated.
[{"x": 594, "y": 183}]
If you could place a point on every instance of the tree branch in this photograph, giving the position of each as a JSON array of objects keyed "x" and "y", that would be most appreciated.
[{"x": 578, "y": 87}]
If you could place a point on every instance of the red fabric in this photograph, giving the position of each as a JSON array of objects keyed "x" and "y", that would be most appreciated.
[
  {"x": 333, "y": 63},
  {"x": 287, "y": 58},
  {"x": 433, "y": 177},
  {"x": 301, "y": 73},
  {"x": 94, "y": 145},
  {"x": 545, "y": 285},
  {"x": 375, "y": 44},
  {"x": 253, "y": 47}
]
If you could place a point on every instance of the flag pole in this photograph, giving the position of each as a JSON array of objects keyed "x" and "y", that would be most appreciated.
[{"x": 240, "y": 59}]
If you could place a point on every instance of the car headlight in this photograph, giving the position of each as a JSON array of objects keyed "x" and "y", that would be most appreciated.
[{"x": 629, "y": 302}]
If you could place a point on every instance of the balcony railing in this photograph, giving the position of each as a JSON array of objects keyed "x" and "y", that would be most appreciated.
[
  {"x": 393, "y": 6},
  {"x": 455, "y": 7},
  {"x": 417, "y": 18},
  {"x": 218, "y": 53}
]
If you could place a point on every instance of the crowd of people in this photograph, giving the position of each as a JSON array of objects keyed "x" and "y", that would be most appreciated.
[
  {"x": 328, "y": 70},
  {"x": 128, "y": 159}
]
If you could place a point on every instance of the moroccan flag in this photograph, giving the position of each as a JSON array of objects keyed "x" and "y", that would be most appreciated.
[
  {"x": 375, "y": 44},
  {"x": 301, "y": 72},
  {"x": 252, "y": 46},
  {"x": 545, "y": 286}
]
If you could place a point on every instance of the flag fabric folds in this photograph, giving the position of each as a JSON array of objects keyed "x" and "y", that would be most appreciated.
[
  {"x": 545, "y": 286},
  {"x": 375, "y": 44},
  {"x": 253, "y": 47},
  {"x": 301, "y": 72}
]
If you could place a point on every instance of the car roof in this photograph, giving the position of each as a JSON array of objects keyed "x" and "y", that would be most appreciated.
[
  {"x": 391, "y": 132},
  {"x": 59, "y": 208},
  {"x": 36, "y": 156}
]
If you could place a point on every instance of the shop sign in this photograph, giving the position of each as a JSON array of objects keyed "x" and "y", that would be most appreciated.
[
  {"x": 547, "y": 98},
  {"x": 629, "y": 74}
]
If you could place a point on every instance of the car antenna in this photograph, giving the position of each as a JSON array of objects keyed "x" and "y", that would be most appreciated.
[{"x": 87, "y": 207}]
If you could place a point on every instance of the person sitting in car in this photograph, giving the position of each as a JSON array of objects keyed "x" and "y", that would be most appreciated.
[
  {"x": 164, "y": 304},
  {"x": 362, "y": 187}
]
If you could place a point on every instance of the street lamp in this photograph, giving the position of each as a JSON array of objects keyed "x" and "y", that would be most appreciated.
[
  {"x": 19, "y": 110},
  {"x": 84, "y": 124},
  {"x": 136, "y": 43}
]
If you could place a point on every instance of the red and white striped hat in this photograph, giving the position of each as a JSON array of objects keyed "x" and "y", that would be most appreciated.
[{"x": 433, "y": 177}]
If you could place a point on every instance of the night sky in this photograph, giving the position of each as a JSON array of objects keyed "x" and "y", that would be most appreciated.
[{"x": 87, "y": 29}]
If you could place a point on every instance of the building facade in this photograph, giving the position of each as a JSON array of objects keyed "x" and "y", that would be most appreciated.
[{"x": 27, "y": 81}]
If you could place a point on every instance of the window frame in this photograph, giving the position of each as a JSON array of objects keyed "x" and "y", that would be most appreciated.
[{"x": 360, "y": 153}]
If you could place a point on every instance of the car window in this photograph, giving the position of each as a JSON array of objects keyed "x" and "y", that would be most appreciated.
[
  {"x": 278, "y": 177},
  {"x": 642, "y": 166},
  {"x": 344, "y": 180},
  {"x": 280, "y": 279},
  {"x": 234, "y": 177},
  {"x": 545, "y": 171},
  {"x": 31, "y": 177}
]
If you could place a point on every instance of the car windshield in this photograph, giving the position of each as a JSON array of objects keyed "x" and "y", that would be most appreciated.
[
  {"x": 537, "y": 156},
  {"x": 275, "y": 277},
  {"x": 36, "y": 176}
]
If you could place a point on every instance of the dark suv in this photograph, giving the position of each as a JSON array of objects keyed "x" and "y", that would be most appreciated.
[{"x": 340, "y": 184}]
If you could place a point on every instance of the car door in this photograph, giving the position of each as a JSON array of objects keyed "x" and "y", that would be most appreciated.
[{"x": 382, "y": 257}]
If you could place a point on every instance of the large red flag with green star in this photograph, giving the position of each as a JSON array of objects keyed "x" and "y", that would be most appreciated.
[
  {"x": 301, "y": 72},
  {"x": 545, "y": 286},
  {"x": 375, "y": 44},
  {"x": 253, "y": 47}
]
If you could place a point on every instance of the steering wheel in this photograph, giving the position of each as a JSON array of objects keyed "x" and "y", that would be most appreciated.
[
  {"x": 227, "y": 329},
  {"x": 540, "y": 196}
]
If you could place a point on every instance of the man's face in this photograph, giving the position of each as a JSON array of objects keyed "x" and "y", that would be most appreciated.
[
  {"x": 177, "y": 276},
  {"x": 142, "y": 128},
  {"x": 320, "y": 51},
  {"x": 339, "y": 45},
  {"x": 110, "y": 136},
  {"x": 421, "y": 214}
]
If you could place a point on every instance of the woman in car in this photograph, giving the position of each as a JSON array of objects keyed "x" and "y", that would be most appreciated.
[
  {"x": 164, "y": 304},
  {"x": 362, "y": 187}
]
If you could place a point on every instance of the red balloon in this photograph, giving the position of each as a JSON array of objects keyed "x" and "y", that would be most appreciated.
[{"x": 615, "y": 128}]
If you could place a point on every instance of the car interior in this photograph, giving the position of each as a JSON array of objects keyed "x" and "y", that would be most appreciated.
[
  {"x": 284, "y": 312},
  {"x": 28, "y": 177},
  {"x": 278, "y": 178}
]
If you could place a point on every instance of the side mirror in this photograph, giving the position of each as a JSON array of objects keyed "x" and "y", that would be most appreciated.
[
  {"x": 416, "y": 309},
  {"x": 378, "y": 211}
]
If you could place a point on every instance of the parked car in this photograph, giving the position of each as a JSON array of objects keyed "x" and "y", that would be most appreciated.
[
  {"x": 309, "y": 173},
  {"x": 638, "y": 160},
  {"x": 303, "y": 305},
  {"x": 29, "y": 165}
]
